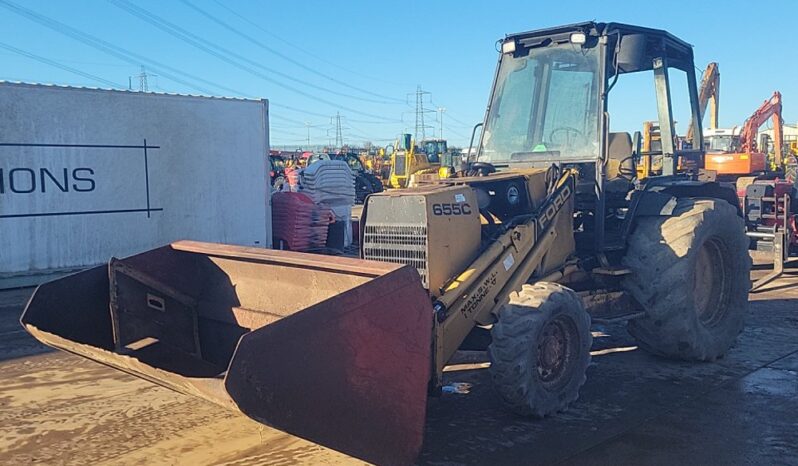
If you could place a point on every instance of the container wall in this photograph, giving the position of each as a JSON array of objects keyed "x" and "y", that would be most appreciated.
[{"x": 88, "y": 174}]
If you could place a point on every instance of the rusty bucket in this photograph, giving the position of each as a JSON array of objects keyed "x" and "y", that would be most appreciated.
[{"x": 331, "y": 349}]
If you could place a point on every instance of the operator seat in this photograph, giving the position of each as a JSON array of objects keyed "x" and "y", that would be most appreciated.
[
  {"x": 620, "y": 164},
  {"x": 619, "y": 173}
]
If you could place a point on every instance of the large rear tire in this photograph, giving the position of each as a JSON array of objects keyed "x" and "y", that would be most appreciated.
[
  {"x": 690, "y": 272},
  {"x": 540, "y": 349}
]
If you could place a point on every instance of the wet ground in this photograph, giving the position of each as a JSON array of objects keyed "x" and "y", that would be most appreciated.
[{"x": 634, "y": 409}]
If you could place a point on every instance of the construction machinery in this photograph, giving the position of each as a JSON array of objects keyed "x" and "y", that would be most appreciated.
[
  {"x": 552, "y": 232},
  {"x": 765, "y": 183},
  {"x": 771, "y": 218},
  {"x": 277, "y": 178},
  {"x": 445, "y": 157},
  {"x": 410, "y": 162},
  {"x": 708, "y": 95},
  {"x": 735, "y": 152}
]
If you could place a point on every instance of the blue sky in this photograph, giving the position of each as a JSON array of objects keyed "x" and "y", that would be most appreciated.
[{"x": 365, "y": 59}]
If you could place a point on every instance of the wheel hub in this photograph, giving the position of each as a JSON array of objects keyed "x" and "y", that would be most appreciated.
[
  {"x": 555, "y": 349},
  {"x": 711, "y": 282}
]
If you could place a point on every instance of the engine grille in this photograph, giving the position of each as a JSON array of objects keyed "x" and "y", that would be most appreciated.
[{"x": 400, "y": 244}]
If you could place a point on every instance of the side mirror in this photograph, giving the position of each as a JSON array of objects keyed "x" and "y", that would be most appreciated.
[
  {"x": 389, "y": 149},
  {"x": 632, "y": 53}
]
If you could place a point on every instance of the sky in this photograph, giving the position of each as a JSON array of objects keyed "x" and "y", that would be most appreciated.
[{"x": 365, "y": 60}]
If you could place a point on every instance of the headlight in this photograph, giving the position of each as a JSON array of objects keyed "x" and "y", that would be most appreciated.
[
  {"x": 512, "y": 195},
  {"x": 508, "y": 47}
]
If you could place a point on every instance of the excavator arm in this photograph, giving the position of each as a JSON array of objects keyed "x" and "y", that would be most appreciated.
[
  {"x": 770, "y": 109},
  {"x": 708, "y": 94}
]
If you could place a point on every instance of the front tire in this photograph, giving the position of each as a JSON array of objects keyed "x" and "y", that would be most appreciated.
[
  {"x": 690, "y": 272},
  {"x": 540, "y": 349}
]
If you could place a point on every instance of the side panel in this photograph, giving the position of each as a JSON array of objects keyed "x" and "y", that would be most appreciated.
[
  {"x": 87, "y": 174},
  {"x": 736, "y": 164}
]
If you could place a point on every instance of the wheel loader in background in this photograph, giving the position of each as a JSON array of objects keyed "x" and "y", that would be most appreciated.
[{"x": 556, "y": 232}]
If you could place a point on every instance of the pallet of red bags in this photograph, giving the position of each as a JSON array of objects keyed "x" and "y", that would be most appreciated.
[{"x": 298, "y": 223}]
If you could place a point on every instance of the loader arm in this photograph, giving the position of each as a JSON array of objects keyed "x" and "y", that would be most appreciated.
[{"x": 475, "y": 295}]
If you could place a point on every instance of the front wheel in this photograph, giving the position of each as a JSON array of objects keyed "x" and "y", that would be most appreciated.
[
  {"x": 691, "y": 274},
  {"x": 540, "y": 349}
]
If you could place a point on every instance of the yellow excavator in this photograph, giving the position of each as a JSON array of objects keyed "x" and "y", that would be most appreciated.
[{"x": 547, "y": 231}]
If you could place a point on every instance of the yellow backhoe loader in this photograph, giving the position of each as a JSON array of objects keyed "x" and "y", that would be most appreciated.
[{"x": 551, "y": 232}]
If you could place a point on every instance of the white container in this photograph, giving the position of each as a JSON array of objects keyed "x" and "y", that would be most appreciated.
[{"x": 87, "y": 174}]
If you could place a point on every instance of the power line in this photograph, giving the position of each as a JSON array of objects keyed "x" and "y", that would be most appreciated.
[
  {"x": 296, "y": 47},
  {"x": 70, "y": 69},
  {"x": 307, "y": 112},
  {"x": 283, "y": 56},
  {"x": 111, "y": 49},
  {"x": 79, "y": 62},
  {"x": 224, "y": 54},
  {"x": 125, "y": 55}
]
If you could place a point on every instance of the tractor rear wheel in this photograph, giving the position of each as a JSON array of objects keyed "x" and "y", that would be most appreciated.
[
  {"x": 690, "y": 272},
  {"x": 540, "y": 349}
]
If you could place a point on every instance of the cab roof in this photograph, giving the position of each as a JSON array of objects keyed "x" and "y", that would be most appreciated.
[{"x": 678, "y": 52}]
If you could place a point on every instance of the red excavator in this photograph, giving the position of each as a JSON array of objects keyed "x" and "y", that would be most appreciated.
[
  {"x": 766, "y": 185},
  {"x": 733, "y": 153}
]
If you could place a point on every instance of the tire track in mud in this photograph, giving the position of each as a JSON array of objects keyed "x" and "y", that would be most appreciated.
[{"x": 61, "y": 409}]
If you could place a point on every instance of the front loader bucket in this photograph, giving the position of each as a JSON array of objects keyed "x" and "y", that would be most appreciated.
[{"x": 331, "y": 349}]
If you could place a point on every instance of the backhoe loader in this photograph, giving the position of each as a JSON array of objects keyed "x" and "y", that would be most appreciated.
[{"x": 546, "y": 230}]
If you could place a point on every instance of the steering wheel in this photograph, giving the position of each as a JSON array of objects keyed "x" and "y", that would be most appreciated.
[
  {"x": 567, "y": 130},
  {"x": 480, "y": 169}
]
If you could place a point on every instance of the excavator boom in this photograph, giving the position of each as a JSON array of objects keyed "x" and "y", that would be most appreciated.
[
  {"x": 708, "y": 94},
  {"x": 770, "y": 109}
]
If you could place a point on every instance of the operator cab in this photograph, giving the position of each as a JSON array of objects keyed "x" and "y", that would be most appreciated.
[
  {"x": 549, "y": 109},
  {"x": 435, "y": 149}
]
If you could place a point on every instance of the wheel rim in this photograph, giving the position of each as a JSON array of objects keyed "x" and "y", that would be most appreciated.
[
  {"x": 712, "y": 282},
  {"x": 557, "y": 349}
]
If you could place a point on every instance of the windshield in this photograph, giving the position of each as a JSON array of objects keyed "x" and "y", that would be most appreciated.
[
  {"x": 434, "y": 150},
  {"x": 544, "y": 105},
  {"x": 720, "y": 143},
  {"x": 354, "y": 163}
]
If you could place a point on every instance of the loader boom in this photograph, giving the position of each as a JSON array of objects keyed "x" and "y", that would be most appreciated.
[{"x": 474, "y": 296}]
